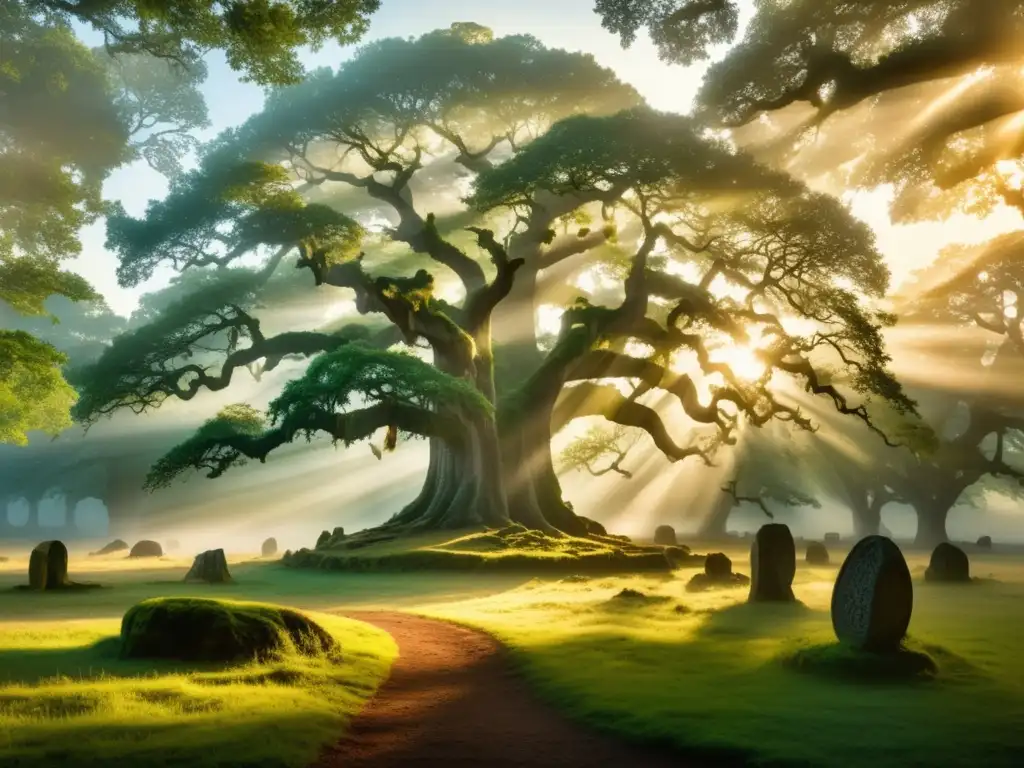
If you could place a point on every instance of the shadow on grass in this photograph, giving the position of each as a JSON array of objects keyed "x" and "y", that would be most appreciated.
[
  {"x": 839, "y": 662},
  {"x": 172, "y": 744},
  {"x": 86, "y": 662},
  {"x": 753, "y": 620}
]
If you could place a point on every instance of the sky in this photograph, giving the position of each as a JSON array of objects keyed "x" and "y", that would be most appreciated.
[{"x": 568, "y": 24}]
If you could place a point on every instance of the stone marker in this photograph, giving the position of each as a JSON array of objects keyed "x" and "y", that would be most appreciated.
[
  {"x": 210, "y": 566},
  {"x": 817, "y": 554},
  {"x": 772, "y": 564},
  {"x": 985, "y": 542},
  {"x": 831, "y": 538},
  {"x": 146, "y": 548},
  {"x": 717, "y": 573},
  {"x": 717, "y": 565},
  {"x": 269, "y": 548},
  {"x": 873, "y": 596},
  {"x": 665, "y": 535},
  {"x": 948, "y": 563},
  {"x": 48, "y": 566}
]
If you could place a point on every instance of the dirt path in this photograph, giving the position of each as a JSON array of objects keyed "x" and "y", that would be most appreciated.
[{"x": 453, "y": 700}]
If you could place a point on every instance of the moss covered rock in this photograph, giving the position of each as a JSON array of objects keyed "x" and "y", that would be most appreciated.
[
  {"x": 197, "y": 629},
  {"x": 146, "y": 548},
  {"x": 117, "y": 545},
  {"x": 665, "y": 535},
  {"x": 210, "y": 567}
]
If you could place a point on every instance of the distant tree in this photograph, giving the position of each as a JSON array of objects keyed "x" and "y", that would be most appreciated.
[
  {"x": 259, "y": 37},
  {"x": 762, "y": 250},
  {"x": 825, "y": 91}
]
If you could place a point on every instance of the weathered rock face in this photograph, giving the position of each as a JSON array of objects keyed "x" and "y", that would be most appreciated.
[
  {"x": 665, "y": 535},
  {"x": 146, "y": 548},
  {"x": 269, "y": 548},
  {"x": 211, "y": 567},
  {"x": 117, "y": 545},
  {"x": 985, "y": 542},
  {"x": 873, "y": 596},
  {"x": 948, "y": 563},
  {"x": 196, "y": 629},
  {"x": 817, "y": 554},
  {"x": 48, "y": 566},
  {"x": 717, "y": 565},
  {"x": 831, "y": 538},
  {"x": 772, "y": 564}
]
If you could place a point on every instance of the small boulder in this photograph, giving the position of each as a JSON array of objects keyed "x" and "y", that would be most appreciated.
[
  {"x": 678, "y": 554},
  {"x": 817, "y": 554},
  {"x": 117, "y": 545},
  {"x": 48, "y": 566},
  {"x": 772, "y": 564},
  {"x": 717, "y": 565},
  {"x": 269, "y": 548},
  {"x": 717, "y": 573},
  {"x": 831, "y": 538},
  {"x": 197, "y": 629},
  {"x": 985, "y": 542},
  {"x": 210, "y": 567},
  {"x": 948, "y": 563},
  {"x": 665, "y": 535},
  {"x": 323, "y": 538},
  {"x": 146, "y": 548},
  {"x": 873, "y": 596}
]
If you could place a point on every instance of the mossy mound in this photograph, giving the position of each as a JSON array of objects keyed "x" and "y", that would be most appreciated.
[
  {"x": 117, "y": 545},
  {"x": 199, "y": 629},
  {"x": 843, "y": 662},
  {"x": 513, "y": 548}
]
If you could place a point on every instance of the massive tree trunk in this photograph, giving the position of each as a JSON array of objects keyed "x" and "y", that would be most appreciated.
[
  {"x": 715, "y": 524},
  {"x": 464, "y": 485},
  {"x": 931, "y": 525}
]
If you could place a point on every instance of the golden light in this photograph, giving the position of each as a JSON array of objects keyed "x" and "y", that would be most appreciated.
[{"x": 742, "y": 360}]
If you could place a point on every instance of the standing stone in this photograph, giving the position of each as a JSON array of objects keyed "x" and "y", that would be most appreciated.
[
  {"x": 665, "y": 535},
  {"x": 323, "y": 538},
  {"x": 873, "y": 596},
  {"x": 817, "y": 554},
  {"x": 831, "y": 538},
  {"x": 146, "y": 548},
  {"x": 985, "y": 542},
  {"x": 210, "y": 566},
  {"x": 772, "y": 564},
  {"x": 269, "y": 548},
  {"x": 948, "y": 563},
  {"x": 48, "y": 566},
  {"x": 718, "y": 566}
]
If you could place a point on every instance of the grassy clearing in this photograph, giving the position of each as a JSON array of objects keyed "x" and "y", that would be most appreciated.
[
  {"x": 512, "y": 549},
  {"x": 765, "y": 684},
  {"x": 69, "y": 699}
]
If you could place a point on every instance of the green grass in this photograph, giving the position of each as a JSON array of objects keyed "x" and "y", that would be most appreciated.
[
  {"x": 767, "y": 684},
  {"x": 70, "y": 700},
  {"x": 510, "y": 550},
  {"x": 704, "y": 672}
]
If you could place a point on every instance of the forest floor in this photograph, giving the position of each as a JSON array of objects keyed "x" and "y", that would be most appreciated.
[{"x": 703, "y": 674}]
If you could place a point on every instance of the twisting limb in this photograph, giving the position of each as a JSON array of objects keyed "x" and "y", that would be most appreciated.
[
  {"x": 481, "y": 303},
  {"x": 588, "y": 399},
  {"x": 730, "y": 488}
]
